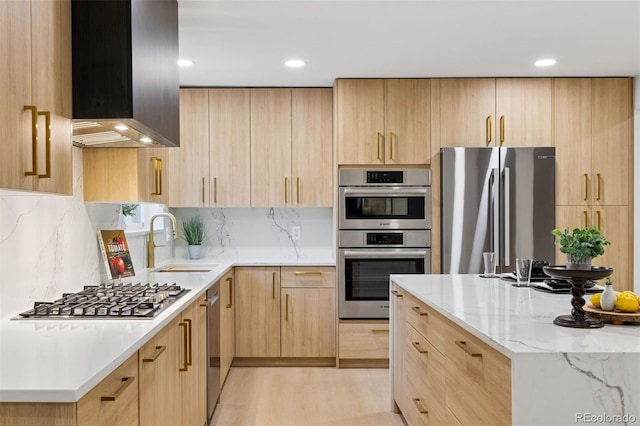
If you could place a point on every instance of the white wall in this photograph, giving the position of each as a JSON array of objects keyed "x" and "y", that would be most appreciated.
[{"x": 636, "y": 180}]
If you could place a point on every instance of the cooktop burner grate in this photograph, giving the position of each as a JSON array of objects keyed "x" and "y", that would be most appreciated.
[{"x": 126, "y": 301}]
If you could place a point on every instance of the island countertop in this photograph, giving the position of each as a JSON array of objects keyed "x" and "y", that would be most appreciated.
[{"x": 559, "y": 375}]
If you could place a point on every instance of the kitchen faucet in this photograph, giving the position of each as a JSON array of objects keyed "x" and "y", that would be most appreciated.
[{"x": 151, "y": 245}]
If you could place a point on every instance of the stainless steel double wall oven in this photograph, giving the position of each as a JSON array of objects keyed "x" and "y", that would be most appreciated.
[{"x": 384, "y": 228}]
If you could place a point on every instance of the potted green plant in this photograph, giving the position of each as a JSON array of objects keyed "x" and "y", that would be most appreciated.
[
  {"x": 193, "y": 229},
  {"x": 580, "y": 245}
]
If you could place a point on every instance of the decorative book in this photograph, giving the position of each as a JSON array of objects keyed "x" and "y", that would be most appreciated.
[{"x": 115, "y": 253}]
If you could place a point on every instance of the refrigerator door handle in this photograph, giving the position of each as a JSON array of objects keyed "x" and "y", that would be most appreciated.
[
  {"x": 507, "y": 216},
  {"x": 495, "y": 215}
]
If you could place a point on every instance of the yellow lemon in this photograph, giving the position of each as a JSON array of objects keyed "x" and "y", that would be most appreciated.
[
  {"x": 629, "y": 293},
  {"x": 595, "y": 300},
  {"x": 627, "y": 303}
]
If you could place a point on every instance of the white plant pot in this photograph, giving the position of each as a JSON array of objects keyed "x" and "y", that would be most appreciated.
[{"x": 194, "y": 252}]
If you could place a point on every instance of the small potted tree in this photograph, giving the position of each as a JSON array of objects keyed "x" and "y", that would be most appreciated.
[
  {"x": 580, "y": 245},
  {"x": 193, "y": 229}
]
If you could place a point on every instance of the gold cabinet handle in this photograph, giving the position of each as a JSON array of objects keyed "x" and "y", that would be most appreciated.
[
  {"x": 417, "y": 347},
  {"x": 188, "y": 321},
  {"x": 286, "y": 184},
  {"x": 599, "y": 217},
  {"x": 155, "y": 355},
  {"x": 47, "y": 143},
  {"x": 160, "y": 174},
  {"x": 273, "y": 285},
  {"x": 463, "y": 345},
  {"x": 379, "y": 137},
  {"x": 586, "y": 186},
  {"x": 298, "y": 190},
  {"x": 489, "y": 129},
  {"x": 155, "y": 176},
  {"x": 599, "y": 181},
  {"x": 34, "y": 140},
  {"x": 286, "y": 307},
  {"x": 202, "y": 190},
  {"x": 204, "y": 303},
  {"x": 396, "y": 293},
  {"x": 126, "y": 382},
  {"x": 502, "y": 132},
  {"x": 586, "y": 219},
  {"x": 379, "y": 330},
  {"x": 185, "y": 342},
  {"x": 215, "y": 190},
  {"x": 417, "y": 310},
  {"x": 230, "y": 281},
  {"x": 418, "y": 403},
  {"x": 391, "y": 145},
  {"x": 308, "y": 273}
]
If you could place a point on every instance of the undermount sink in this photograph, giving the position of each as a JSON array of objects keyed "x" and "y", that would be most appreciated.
[{"x": 201, "y": 267}]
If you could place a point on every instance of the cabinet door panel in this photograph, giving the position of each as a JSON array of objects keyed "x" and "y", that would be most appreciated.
[
  {"x": 360, "y": 121},
  {"x": 270, "y": 147},
  {"x": 190, "y": 164},
  {"x": 614, "y": 223},
  {"x": 227, "y": 324},
  {"x": 230, "y": 147},
  {"x": 611, "y": 141},
  {"x": 465, "y": 108},
  {"x": 312, "y": 147},
  {"x": 407, "y": 121},
  {"x": 308, "y": 322},
  {"x": 525, "y": 104},
  {"x": 572, "y": 139},
  {"x": 194, "y": 380},
  {"x": 258, "y": 312}
]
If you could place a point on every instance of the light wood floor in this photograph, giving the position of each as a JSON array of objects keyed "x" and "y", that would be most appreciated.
[{"x": 305, "y": 396}]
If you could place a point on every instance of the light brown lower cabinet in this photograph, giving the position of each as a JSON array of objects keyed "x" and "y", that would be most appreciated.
[
  {"x": 227, "y": 324},
  {"x": 364, "y": 339},
  {"x": 448, "y": 375}
]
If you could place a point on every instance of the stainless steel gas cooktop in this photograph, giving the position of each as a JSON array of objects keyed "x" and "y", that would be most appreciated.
[{"x": 106, "y": 301}]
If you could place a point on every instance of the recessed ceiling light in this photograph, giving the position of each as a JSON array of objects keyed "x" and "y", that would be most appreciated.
[
  {"x": 184, "y": 63},
  {"x": 545, "y": 62},
  {"x": 294, "y": 63},
  {"x": 121, "y": 127},
  {"x": 145, "y": 139}
]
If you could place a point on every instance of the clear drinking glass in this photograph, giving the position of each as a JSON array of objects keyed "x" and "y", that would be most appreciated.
[
  {"x": 489, "y": 258},
  {"x": 523, "y": 271}
]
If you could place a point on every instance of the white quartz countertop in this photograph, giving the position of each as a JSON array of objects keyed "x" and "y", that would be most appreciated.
[
  {"x": 515, "y": 320},
  {"x": 60, "y": 360}
]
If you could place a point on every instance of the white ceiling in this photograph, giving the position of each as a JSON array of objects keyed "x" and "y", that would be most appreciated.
[{"x": 245, "y": 43}]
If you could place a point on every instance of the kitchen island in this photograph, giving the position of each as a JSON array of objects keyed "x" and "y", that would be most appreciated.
[{"x": 512, "y": 350}]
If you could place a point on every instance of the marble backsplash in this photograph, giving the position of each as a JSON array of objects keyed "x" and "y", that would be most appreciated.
[{"x": 48, "y": 243}]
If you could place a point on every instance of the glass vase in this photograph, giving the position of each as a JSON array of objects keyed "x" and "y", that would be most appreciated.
[{"x": 579, "y": 263}]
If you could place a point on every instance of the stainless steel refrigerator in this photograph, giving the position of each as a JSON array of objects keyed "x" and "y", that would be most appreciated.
[{"x": 496, "y": 199}]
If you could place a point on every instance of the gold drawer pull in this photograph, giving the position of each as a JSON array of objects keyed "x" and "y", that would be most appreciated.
[
  {"x": 586, "y": 186},
  {"x": 286, "y": 309},
  {"x": 47, "y": 146},
  {"x": 155, "y": 355},
  {"x": 599, "y": 183},
  {"x": 126, "y": 382},
  {"x": 586, "y": 219},
  {"x": 273, "y": 285},
  {"x": 489, "y": 129},
  {"x": 417, "y": 347},
  {"x": 34, "y": 140},
  {"x": 379, "y": 136},
  {"x": 418, "y": 403},
  {"x": 502, "y": 132},
  {"x": 185, "y": 365},
  {"x": 396, "y": 293},
  {"x": 379, "y": 330},
  {"x": 463, "y": 345},
  {"x": 422, "y": 314},
  {"x": 204, "y": 303}
]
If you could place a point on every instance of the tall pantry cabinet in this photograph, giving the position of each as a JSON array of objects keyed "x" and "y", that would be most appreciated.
[
  {"x": 35, "y": 85},
  {"x": 593, "y": 130}
]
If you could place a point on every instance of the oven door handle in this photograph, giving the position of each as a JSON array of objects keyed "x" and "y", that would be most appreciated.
[
  {"x": 395, "y": 191},
  {"x": 375, "y": 253}
]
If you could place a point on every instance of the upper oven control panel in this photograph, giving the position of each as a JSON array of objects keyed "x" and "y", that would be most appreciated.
[
  {"x": 384, "y": 177},
  {"x": 384, "y": 238}
]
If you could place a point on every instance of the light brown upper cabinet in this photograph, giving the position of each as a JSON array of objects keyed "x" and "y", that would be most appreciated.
[
  {"x": 36, "y": 90},
  {"x": 126, "y": 174},
  {"x": 291, "y": 149},
  {"x": 383, "y": 121},
  {"x": 492, "y": 112}
]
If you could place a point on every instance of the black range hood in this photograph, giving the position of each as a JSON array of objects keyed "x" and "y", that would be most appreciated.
[{"x": 125, "y": 76}]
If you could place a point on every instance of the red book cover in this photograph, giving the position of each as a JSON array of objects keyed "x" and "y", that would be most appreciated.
[{"x": 115, "y": 254}]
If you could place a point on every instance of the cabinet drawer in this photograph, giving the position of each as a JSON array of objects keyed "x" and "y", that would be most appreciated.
[
  {"x": 308, "y": 276},
  {"x": 478, "y": 384},
  {"x": 114, "y": 400},
  {"x": 426, "y": 321},
  {"x": 425, "y": 365},
  {"x": 364, "y": 340},
  {"x": 420, "y": 407}
]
